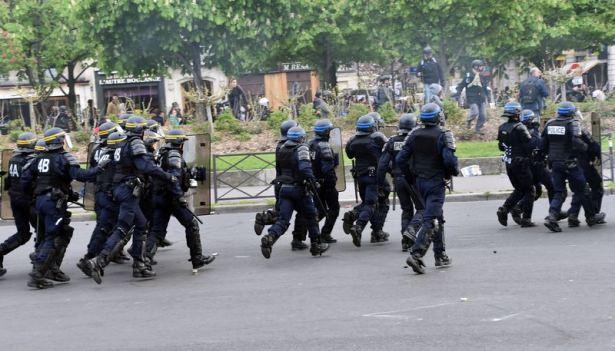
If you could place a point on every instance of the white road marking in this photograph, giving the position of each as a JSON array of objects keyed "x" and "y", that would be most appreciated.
[
  {"x": 505, "y": 317},
  {"x": 395, "y": 314}
]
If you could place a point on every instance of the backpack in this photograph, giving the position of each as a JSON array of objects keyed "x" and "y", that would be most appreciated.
[{"x": 528, "y": 91}]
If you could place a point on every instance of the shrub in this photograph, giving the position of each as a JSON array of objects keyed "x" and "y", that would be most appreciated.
[
  {"x": 82, "y": 137},
  {"x": 14, "y": 134},
  {"x": 243, "y": 136},
  {"x": 454, "y": 114},
  {"x": 226, "y": 122},
  {"x": 16, "y": 124},
  {"x": 307, "y": 116},
  {"x": 387, "y": 112},
  {"x": 355, "y": 111},
  {"x": 200, "y": 128},
  {"x": 276, "y": 118}
]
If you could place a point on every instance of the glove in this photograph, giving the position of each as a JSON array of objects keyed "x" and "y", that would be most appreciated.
[
  {"x": 171, "y": 178},
  {"x": 102, "y": 164},
  {"x": 182, "y": 202}
]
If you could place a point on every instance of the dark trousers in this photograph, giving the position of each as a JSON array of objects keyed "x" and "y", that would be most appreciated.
[
  {"x": 522, "y": 180},
  {"x": 294, "y": 198},
  {"x": 330, "y": 198},
  {"x": 129, "y": 215},
  {"x": 106, "y": 216},
  {"x": 432, "y": 192},
  {"x": 542, "y": 176},
  {"x": 56, "y": 219},
  {"x": 368, "y": 191},
  {"x": 563, "y": 171},
  {"x": 404, "y": 193},
  {"x": 24, "y": 216},
  {"x": 164, "y": 208},
  {"x": 594, "y": 193}
]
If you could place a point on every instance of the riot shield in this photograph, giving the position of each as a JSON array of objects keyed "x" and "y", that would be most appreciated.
[
  {"x": 335, "y": 141},
  {"x": 89, "y": 188},
  {"x": 197, "y": 154},
  {"x": 5, "y": 202}
]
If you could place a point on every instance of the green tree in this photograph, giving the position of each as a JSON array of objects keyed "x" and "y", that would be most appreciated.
[{"x": 148, "y": 37}]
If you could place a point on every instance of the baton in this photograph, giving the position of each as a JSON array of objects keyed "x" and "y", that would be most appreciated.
[
  {"x": 394, "y": 195},
  {"x": 313, "y": 190},
  {"x": 356, "y": 190}
]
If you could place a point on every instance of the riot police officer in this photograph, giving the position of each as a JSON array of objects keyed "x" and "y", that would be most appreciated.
[
  {"x": 366, "y": 147},
  {"x": 295, "y": 169},
  {"x": 514, "y": 140},
  {"x": 150, "y": 139},
  {"x": 104, "y": 206},
  {"x": 131, "y": 163},
  {"x": 270, "y": 216},
  {"x": 404, "y": 186},
  {"x": 324, "y": 162},
  {"x": 429, "y": 153},
  {"x": 170, "y": 200},
  {"x": 562, "y": 141},
  {"x": 21, "y": 201},
  {"x": 52, "y": 172},
  {"x": 540, "y": 172},
  {"x": 594, "y": 189}
]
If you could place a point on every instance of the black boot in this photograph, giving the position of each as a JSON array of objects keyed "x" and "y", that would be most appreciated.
[
  {"x": 259, "y": 223},
  {"x": 55, "y": 273},
  {"x": 503, "y": 216},
  {"x": 84, "y": 266},
  {"x": 526, "y": 223},
  {"x": 442, "y": 260},
  {"x": 2, "y": 269},
  {"x": 298, "y": 245},
  {"x": 37, "y": 280},
  {"x": 551, "y": 223},
  {"x": 201, "y": 260},
  {"x": 355, "y": 232},
  {"x": 516, "y": 215},
  {"x": 142, "y": 270},
  {"x": 379, "y": 236},
  {"x": 193, "y": 239},
  {"x": 598, "y": 218},
  {"x": 573, "y": 220},
  {"x": 97, "y": 265},
  {"x": 327, "y": 238},
  {"x": 317, "y": 248},
  {"x": 408, "y": 238},
  {"x": 348, "y": 221},
  {"x": 416, "y": 263},
  {"x": 267, "y": 242}
]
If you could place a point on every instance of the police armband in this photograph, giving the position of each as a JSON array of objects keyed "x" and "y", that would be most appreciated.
[{"x": 137, "y": 147}]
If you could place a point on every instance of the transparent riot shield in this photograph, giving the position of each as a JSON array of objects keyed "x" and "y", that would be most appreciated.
[
  {"x": 89, "y": 188},
  {"x": 5, "y": 202},
  {"x": 335, "y": 141},
  {"x": 197, "y": 154}
]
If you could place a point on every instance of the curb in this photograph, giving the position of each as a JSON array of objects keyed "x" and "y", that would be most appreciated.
[{"x": 257, "y": 207}]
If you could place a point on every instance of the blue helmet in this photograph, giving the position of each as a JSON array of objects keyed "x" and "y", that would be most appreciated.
[
  {"x": 430, "y": 113},
  {"x": 407, "y": 122},
  {"x": 527, "y": 116},
  {"x": 135, "y": 125},
  {"x": 106, "y": 129},
  {"x": 512, "y": 109},
  {"x": 286, "y": 126},
  {"x": 365, "y": 125},
  {"x": 322, "y": 127},
  {"x": 566, "y": 109},
  {"x": 26, "y": 142},
  {"x": 379, "y": 121},
  {"x": 296, "y": 134},
  {"x": 116, "y": 139}
]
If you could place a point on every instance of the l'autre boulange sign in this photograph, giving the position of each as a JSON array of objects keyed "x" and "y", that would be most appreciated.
[{"x": 128, "y": 80}]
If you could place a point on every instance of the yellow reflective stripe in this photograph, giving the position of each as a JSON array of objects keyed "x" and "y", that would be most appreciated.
[
  {"x": 25, "y": 142},
  {"x": 134, "y": 125},
  {"x": 115, "y": 141},
  {"x": 39, "y": 148},
  {"x": 53, "y": 136},
  {"x": 105, "y": 132},
  {"x": 181, "y": 136}
]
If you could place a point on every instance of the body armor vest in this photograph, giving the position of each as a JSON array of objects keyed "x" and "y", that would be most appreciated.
[
  {"x": 289, "y": 166},
  {"x": 16, "y": 165},
  {"x": 49, "y": 176},
  {"x": 560, "y": 139},
  {"x": 396, "y": 143},
  {"x": 362, "y": 146},
  {"x": 427, "y": 161},
  {"x": 124, "y": 164}
]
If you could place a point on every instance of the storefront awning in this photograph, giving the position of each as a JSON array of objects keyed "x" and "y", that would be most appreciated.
[{"x": 578, "y": 68}]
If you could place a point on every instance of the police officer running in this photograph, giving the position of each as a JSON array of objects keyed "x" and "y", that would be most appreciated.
[
  {"x": 514, "y": 140},
  {"x": 170, "y": 200},
  {"x": 562, "y": 142},
  {"x": 324, "y": 162},
  {"x": 131, "y": 163},
  {"x": 366, "y": 147},
  {"x": 295, "y": 169},
  {"x": 52, "y": 171},
  {"x": 21, "y": 201},
  {"x": 540, "y": 172},
  {"x": 429, "y": 153},
  {"x": 404, "y": 186}
]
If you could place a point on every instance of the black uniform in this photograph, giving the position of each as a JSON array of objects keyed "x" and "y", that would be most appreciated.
[{"x": 514, "y": 139}]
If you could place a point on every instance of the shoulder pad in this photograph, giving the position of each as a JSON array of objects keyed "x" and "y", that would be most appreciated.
[
  {"x": 523, "y": 129},
  {"x": 325, "y": 150},
  {"x": 174, "y": 159},
  {"x": 137, "y": 147},
  {"x": 449, "y": 139},
  {"x": 575, "y": 127},
  {"x": 70, "y": 158},
  {"x": 379, "y": 137},
  {"x": 303, "y": 152}
]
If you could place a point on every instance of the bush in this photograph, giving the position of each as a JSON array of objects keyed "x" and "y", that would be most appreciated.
[
  {"x": 200, "y": 128},
  {"x": 226, "y": 122},
  {"x": 355, "y": 111},
  {"x": 243, "y": 136},
  {"x": 307, "y": 116},
  {"x": 276, "y": 118},
  {"x": 14, "y": 135},
  {"x": 16, "y": 124},
  {"x": 254, "y": 127},
  {"x": 387, "y": 112},
  {"x": 82, "y": 137},
  {"x": 454, "y": 114}
]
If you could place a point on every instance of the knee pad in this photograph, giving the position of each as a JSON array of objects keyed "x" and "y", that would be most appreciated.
[
  {"x": 23, "y": 238},
  {"x": 193, "y": 228}
]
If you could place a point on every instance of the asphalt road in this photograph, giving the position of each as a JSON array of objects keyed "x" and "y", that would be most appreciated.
[{"x": 509, "y": 289}]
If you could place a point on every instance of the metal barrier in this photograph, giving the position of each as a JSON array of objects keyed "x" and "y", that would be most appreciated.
[
  {"x": 607, "y": 159},
  {"x": 231, "y": 181}
]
